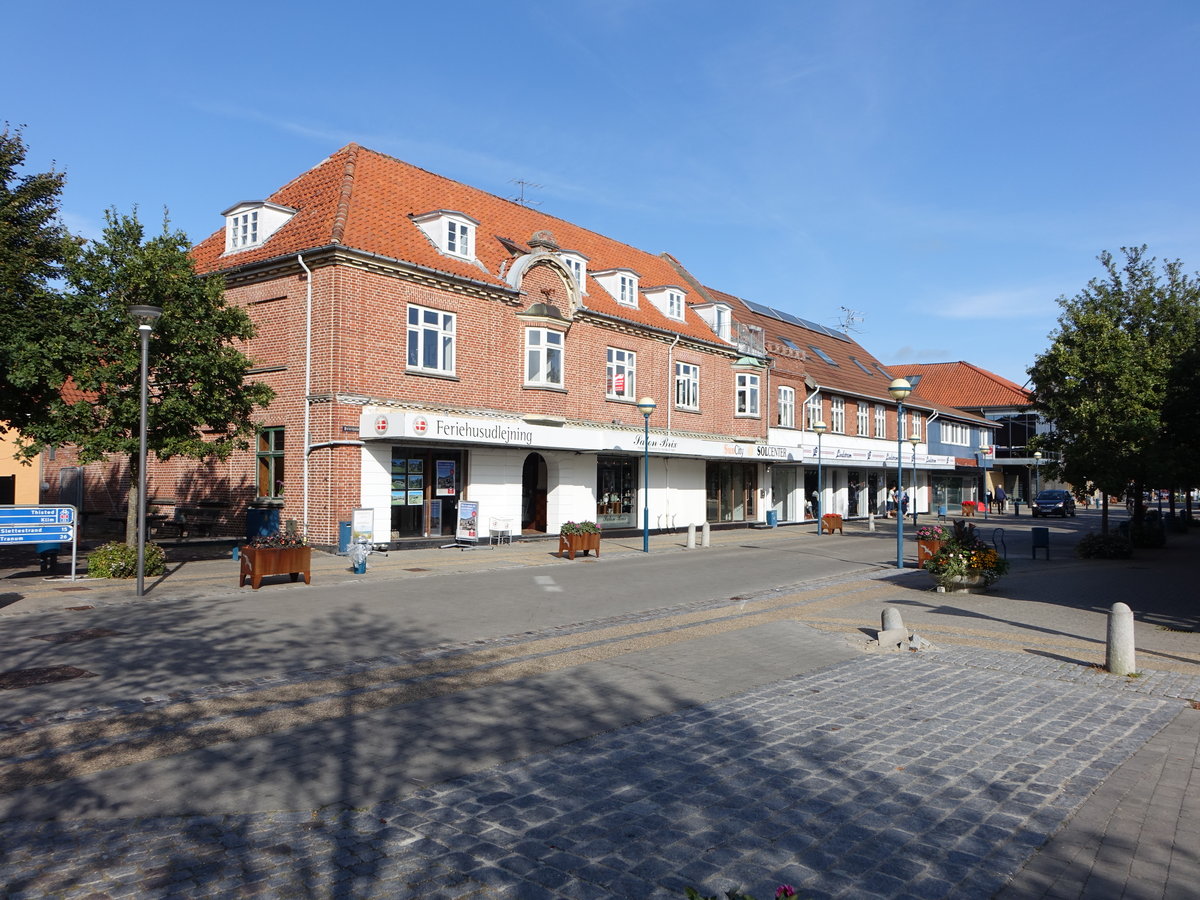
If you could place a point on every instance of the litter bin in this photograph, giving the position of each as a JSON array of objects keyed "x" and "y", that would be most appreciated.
[
  {"x": 261, "y": 522},
  {"x": 772, "y": 518},
  {"x": 343, "y": 538}
]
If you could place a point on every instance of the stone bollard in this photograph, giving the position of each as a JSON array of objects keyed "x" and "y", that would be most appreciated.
[
  {"x": 1119, "y": 656},
  {"x": 892, "y": 631},
  {"x": 871, "y": 523},
  {"x": 704, "y": 542},
  {"x": 691, "y": 544}
]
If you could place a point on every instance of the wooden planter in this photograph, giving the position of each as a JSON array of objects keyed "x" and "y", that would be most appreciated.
[
  {"x": 258, "y": 562},
  {"x": 578, "y": 543},
  {"x": 927, "y": 550}
]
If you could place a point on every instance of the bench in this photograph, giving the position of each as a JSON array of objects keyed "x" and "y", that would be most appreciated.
[
  {"x": 831, "y": 522},
  {"x": 198, "y": 519}
]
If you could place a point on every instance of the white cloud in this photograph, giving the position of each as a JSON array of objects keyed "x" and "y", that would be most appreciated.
[{"x": 1014, "y": 303}]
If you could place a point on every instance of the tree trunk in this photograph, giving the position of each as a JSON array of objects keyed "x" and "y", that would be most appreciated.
[
  {"x": 131, "y": 508},
  {"x": 1104, "y": 512}
]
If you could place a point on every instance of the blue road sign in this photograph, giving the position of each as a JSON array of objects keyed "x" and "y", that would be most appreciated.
[{"x": 36, "y": 524}]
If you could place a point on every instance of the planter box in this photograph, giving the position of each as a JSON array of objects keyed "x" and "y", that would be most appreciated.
[
  {"x": 927, "y": 550},
  {"x": 831, "y": 522},
  {"x": 578, "y": 543},
  {"x": 258, "y": 562}
]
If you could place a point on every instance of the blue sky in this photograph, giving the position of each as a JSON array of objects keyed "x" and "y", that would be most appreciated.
[{"x": 945, "y": 170}]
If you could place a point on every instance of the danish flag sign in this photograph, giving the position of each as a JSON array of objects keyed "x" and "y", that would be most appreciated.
[
  {"x": 381, "y": 425},
  {"x": 419, "y": 425}
]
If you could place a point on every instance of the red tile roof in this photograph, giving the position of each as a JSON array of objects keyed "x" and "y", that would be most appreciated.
[
  {"x": 965, "y": 386},
  {"x": 363, "y": 200}
]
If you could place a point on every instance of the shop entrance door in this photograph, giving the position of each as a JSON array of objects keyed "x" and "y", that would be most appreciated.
[{"x": 533, "y": 493}]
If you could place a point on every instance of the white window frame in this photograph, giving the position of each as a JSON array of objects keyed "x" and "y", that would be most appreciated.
[
  {"x": 623, "y": 363},
  {"x": 434, "y": 325},
  {"x": 687, "y": 386},
  {"x": 675, "y": 305},
  {"x": 542, "y": 345},
  {"x": 880, "y": 421},
  {"x": 837, "y": 415},
  {"x": 862, "y": 417},
  {"x": 917, "y": 426},
  {"x": 747, "y": 397},
  {"x": 577, "y": 263},
  {"x": 460, "y": 239},
  {"x": 787, "y": 407},
  {"x": 243, "y": 230},
  {"x": 955, "y": 433},
  {"x": 812, "y": 411},
  {"x": 722, "y": 322},
  {"x": 627, "y": 290}
]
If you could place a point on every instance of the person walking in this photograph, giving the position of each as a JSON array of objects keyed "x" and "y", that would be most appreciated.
[{"x": 1001, "y": 498}]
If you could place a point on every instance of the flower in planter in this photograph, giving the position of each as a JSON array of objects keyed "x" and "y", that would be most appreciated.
[
  {"x": 579, "y": 528},
  {"x": 934, "y": 533},
  {"x": 279, "y": 540},
  {"x": 964, "y": 553}
]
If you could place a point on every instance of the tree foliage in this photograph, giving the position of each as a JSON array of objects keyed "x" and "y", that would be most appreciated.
[
  {"x": 200, "y": 405},
  {"x": 1107, "y": 380},
  {"x": 32, "y": 253}
]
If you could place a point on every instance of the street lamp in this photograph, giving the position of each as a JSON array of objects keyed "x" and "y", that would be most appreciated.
[
  {"x": 914, "y": 439},
  {"x": 146, "y": 317},
  {"x": 819, "y": 428},
  {"x": 646, "y": 406},
  {"x": 899, "y": 389},
  {"x": 1037, "y": 482}
]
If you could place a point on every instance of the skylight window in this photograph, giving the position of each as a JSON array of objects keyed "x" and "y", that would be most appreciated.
[
  {"x": 821, "y": 353},
  {"x": 790, "y": 344},
  {"x": 861, "y": 366}
]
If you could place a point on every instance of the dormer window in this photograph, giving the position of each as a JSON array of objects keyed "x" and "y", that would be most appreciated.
[
  {"x": 577, "y": 263},
  {"x": 452, "y": 232},
  {"x": 251, "y": 224},
  {"x": 621, "y": 283},
  {"x": 668, "y": 299}
]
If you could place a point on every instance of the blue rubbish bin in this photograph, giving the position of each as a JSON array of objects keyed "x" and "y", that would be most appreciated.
[
  {"x": 343, "y": 538},
  {"x": 772, "y": 518},
  {"x": 261, "y": 522}
]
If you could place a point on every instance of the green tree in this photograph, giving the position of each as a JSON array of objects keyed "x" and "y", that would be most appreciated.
[
  {"x": 32, "y": 253},
  {"x": 200, "y": 406},
  {"x": 1105, "y": 380}
]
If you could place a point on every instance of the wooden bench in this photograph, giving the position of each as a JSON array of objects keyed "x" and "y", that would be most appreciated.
[
  {"x": 198, "y": 519},
  {"x": 831, "y": 522}
]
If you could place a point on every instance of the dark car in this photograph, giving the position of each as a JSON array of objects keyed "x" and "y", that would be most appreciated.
[{"x": 1048, "y": 503}]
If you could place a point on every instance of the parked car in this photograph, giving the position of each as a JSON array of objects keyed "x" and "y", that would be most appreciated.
[{"x": 1053, "y": 503}]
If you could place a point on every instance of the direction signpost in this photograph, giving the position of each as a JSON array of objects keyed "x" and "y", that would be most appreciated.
[{"x": 40, "y": 525}]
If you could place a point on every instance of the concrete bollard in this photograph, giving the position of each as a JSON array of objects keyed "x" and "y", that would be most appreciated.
[
  {"x": 704, "y": 541},
  {"x": 892, "y": 633},
  {"x": 691, "y": 544},
  {"x": 871, "y": 523},
  {"x": 891, "y": 618},
  {"x": 1119, "y": 656}
]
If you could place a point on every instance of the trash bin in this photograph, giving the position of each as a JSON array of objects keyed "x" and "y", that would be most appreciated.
[
  {"x": 772, "y": 518},
  {"x": 261, "y": 522},
  {"x": 343, "y": 538}
]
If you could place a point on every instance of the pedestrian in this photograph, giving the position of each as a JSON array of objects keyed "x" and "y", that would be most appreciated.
[
  {"x": 990, "y": 500},
  {"x": 891, "y": 501},
  {"x": 1001, "y": 498}
]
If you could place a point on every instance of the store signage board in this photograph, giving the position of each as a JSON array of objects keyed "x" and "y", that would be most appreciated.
[
  {"x": 40, "y": 525},
  {"x": 362, "y": 525}
]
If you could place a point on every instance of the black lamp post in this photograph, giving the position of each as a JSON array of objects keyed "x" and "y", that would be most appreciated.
[
  {"x": 899, "y": 389},
  {"x": 146, "y": 317},
  {"x": 646, "y": 406},
  {"x": 819, "y": 428}
]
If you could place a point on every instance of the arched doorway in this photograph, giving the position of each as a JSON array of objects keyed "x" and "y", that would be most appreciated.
[{"x": 533, "y": 493}]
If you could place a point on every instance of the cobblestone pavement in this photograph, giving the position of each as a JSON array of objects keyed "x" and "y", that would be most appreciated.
[
  {"x": 965, "y": 770},
  {"x": 915, "y": 775}
]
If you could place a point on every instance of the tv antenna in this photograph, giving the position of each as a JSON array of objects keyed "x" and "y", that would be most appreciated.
[
  {"x": 521, "y": 198},
  {"x": 850, "y": 320}
]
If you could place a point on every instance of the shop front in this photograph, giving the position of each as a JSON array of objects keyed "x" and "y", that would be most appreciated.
[{"x": 426, "y": 485}]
